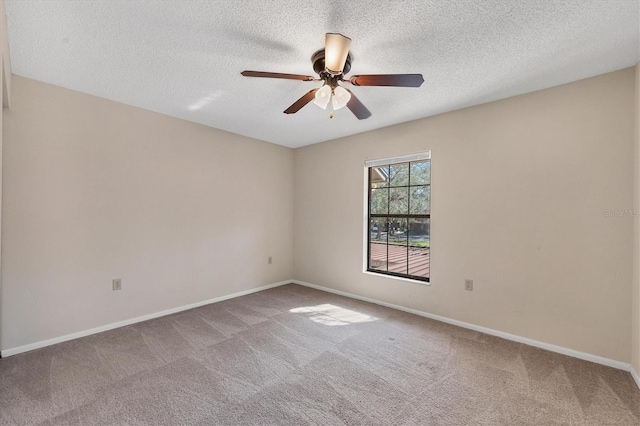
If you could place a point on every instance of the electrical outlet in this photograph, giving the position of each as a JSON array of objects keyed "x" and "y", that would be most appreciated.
[
  {"x": 270, "y": 260},
  {"x": 116, "y": 284},
  {"x": 468, "y": 285}
]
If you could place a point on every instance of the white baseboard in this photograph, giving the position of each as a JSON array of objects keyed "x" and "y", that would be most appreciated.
[
  {"x": 49, "y": 342},
  {"x": 553, "y": 348},
  {"x": 635, "y": 376}
]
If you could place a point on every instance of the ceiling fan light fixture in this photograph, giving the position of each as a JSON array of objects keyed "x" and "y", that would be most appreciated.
[
  {"x": 340, "y": 98},
  {"x": 330, "y": 64},
  {"x": 336, "y": 50},
  {"x": 323, "y": 96}
]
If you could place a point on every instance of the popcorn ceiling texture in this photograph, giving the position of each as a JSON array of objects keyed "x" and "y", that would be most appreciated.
[{"x": 184, "y": 58}]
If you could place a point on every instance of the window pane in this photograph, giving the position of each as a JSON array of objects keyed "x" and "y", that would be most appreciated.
[
  {"x": 420, "y": 199},
  {"x": 379, "y": 201},
  {"x": 378, "y": 230},
  {"x": 419, "y": 232},
  {"x": 419, "y": 256},
  {"x": 397, "y": 261},
  {"x": 421, "y": 173},
  {"x": 399, "y": 174},
  {"x": 378, "y": 256},
  {"x": 397, "y": 229},
  {"x": 378, "y": 244},
  {"x": 398, "y": 200},
  {"x": 379, "y": 177}
]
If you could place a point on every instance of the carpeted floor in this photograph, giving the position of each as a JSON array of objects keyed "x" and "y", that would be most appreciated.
[{"x": 293, "y": 355}]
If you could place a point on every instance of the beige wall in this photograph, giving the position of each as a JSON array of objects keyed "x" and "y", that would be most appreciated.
[
  {"x": 5, "y": 85},
  {"x": 96, "y": 190},
  {"x": 2, "y": 91},
  {"x": 1, "y": 144},
  {"x": 635, "y": 323},
  {"x": 520, "y": 189}
]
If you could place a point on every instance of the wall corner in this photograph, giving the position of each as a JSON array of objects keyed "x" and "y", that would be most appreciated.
[
  {"x": 635, "y": 309},
  {"x": 6, "y": 58}
]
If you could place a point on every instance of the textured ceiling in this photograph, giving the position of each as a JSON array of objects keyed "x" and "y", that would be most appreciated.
[{"x": 183, "y": 58}]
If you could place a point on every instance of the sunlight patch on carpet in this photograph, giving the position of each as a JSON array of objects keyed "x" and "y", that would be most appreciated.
[{"x": 333, "y": 315}]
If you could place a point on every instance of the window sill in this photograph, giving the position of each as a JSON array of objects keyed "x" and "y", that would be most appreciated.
[{"x": 427, "y": 283}]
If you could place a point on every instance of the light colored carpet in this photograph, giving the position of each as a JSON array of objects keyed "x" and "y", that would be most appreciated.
[{"x": 293, "y": 355}]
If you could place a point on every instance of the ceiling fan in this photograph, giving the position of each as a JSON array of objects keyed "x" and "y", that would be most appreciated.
[{"x": 331, "y": 64}]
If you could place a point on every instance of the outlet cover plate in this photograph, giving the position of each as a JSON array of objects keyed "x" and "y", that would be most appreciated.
[{"x": 468, "y": 285}]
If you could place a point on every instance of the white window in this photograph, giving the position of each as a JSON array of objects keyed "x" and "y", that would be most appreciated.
[{"x": 399, "y": 216}]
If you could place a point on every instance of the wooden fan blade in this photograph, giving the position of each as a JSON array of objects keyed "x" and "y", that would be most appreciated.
[
  {"x": 357, "y": 108},
  {"x": 305, "y": 99},
  {"x": 397, "y": 80},
  {"x": 277, "y": 75}
]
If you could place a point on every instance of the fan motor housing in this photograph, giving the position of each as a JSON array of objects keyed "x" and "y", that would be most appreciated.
[{"x": 318, "y": 63}]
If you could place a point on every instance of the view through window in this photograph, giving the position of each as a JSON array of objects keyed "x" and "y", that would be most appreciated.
[{"x": 399, "y": 219}]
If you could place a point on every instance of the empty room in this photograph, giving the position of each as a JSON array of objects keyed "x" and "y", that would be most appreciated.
[{"x": 223, "y": 212}]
